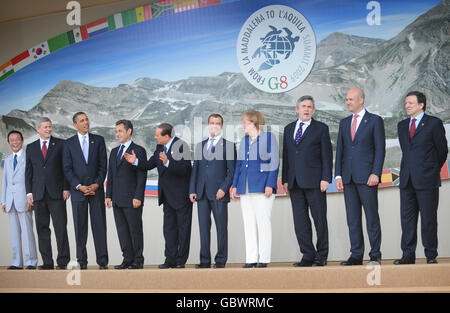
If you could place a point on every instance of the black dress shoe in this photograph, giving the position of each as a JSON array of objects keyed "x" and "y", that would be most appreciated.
[
  {"x": 46, "y": 267},
  {"x": 249, "y": 265},
  {"x": 31, "y": 267},
  {"x": 103, "y": 267},
  {"x": 203, "y": 265},
  {"x": 61, "y": 267},
  {"x": 83, "y": 266},
  {"x": 136, "y": 266},
  {"x": 405, "y": 260},
  {"x": 180, "y": 266},
  {"x": 165, "y": 266},
  {"x": 12, "y": 267},
  {"x": 261, "y": 265},
  {"x": 219, "y": 265},
  {"x": 122, "y": 266},
  {"x": 320, "y": 263},
  {"x": 303, "y": 263},
  {"x": 432, "y": 261},
  {"x": 352, "y": 261}
]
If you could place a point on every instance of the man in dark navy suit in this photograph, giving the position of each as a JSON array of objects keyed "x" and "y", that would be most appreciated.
[
  {"x": 306, "y": 175},
  {"x": 48, "y": 190},
  {"x": 85, "y": 168},
  {"x": 424, "y": 152},
  {"x": 360, "y": 156},
  {"x": 172, "y": 159},
  {"x": 211, "y": 179},
  {"x": 125, "y": 191}
]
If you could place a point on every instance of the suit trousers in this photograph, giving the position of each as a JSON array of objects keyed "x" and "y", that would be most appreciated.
[
  {"x": 355, "y": 196},
  {"x": 56, "y": 209},
  {"x": 131, "y": 237},
  {"x": 177, "y": 233},
  {"x": 316, "y": 200},
  {"x": 256, "y": 213},
  {"x": 219, "y": 209},
  {"x": 413, "y": 202},
  {"x": 21, "y": 229},
  {"x": 97, "y": 213}
]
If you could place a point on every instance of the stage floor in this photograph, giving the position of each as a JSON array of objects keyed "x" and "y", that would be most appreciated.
[{"x": 278, "y": 277}]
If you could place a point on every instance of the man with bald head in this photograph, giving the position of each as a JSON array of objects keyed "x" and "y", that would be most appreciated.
[{"x": 360, "y": 155}]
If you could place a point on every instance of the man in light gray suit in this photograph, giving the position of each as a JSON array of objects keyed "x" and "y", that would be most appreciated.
[{"x": 14, "y": 202}]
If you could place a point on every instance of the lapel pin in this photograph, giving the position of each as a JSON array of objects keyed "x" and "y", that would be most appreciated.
[
  {"x": 365, "y": 121},
  {"x": 423, "y": 124}
]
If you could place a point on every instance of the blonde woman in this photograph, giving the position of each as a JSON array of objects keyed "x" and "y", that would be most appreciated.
[{"x": 255, "y": 180}]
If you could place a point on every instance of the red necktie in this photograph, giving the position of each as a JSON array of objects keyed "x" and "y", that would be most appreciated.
[
  {"x": 412, "y": 129},
  {"x": 44, "y": 149},
  {"x": 353, "y": 128}
]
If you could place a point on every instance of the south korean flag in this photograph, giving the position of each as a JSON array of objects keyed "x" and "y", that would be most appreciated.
[{"x": 39, "y": 51}]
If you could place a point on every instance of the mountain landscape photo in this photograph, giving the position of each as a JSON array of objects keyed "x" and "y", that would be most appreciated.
[{"x": 415, "y": 59}]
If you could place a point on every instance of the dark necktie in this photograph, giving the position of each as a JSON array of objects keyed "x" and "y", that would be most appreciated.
[
  {"x": 412, "y": 130},
  {"x": 211, "y": 148},
  {"x": 44, "y": 149},
  {"x": 15, "y": 161},
  {"x": 119, "y": 155},
  {"x": 299, "y": 133}
]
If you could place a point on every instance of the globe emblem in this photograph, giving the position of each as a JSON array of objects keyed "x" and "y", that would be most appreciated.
[{"x": 274, "y": 46}]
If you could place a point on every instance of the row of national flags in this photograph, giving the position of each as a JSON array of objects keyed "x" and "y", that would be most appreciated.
[{"x": 116, "y": 21}]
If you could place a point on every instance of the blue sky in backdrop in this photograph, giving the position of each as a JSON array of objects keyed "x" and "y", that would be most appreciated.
[{"x": 200, "y": 42}]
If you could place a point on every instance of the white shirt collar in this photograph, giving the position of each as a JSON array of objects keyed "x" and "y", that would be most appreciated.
[
  {"x": 80, "y": 137},
  {"x": 361, "y": 113},
  {"x": 41, "y": 141},
  {"x": 126, "y": 144},
  {"x": 216, "y": 139},
  {"x": 19, "y": 153},
  {"x": 304, "y": 123},
  {"x": 167, "y": 145}
]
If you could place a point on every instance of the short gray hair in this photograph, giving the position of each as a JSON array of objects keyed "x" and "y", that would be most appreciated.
[
  {"x": 43, "y": 119},
  {"x": 306, "y": 97}
]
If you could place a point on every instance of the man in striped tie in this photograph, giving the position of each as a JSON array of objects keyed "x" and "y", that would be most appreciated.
[{"x": 360, "y": 153}]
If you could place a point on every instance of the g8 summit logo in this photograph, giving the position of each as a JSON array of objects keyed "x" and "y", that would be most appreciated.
[{"x": 276, "y": 48}]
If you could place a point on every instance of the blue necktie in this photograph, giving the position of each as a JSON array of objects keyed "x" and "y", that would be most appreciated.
[
  {"x": 299, "y": 134},
  {"x": 165, "y": 149},
  {"x": 119, "y": 155},
  {"x": 15, "y": 161},
  {"x": 211, "y": 148},
  {"x": 85, "y": 149}
]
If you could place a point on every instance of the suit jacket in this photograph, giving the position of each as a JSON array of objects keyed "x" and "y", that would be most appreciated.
[
  {"x": 126, "y": 182},
  {"x": 423, "y": 156},
  {"x": 364, "y": 156},
  {"x": 13, "y": 183},
  {"x": 77, "y": 171},
  {"x": 312, "y": 160},
  {"x": 45, "y": 174},
  {"x": 208, "y": 176},
  {"x": 259, "y": 167},
  {"x": 173, "y": 181}
]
